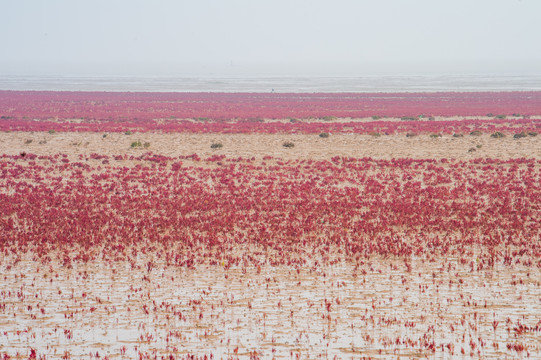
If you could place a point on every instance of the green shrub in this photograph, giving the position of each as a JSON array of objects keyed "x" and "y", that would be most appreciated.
[
  {"x": 375, "y": 134},
  {"x": 136, "y": 144},
  {"x": 457, "y": 135},
  {"x": 434, "y": 136},
  {"x": 328, "y": 118},
  {"x": 128, "y": 132},
  {"x": 532, "y": 133},
  {"x": 324, "y": 135},
  {"x": 408, "y": 118},
  {"x": 146, "y": 145},
  {"x": 520, "y": 135},
  {"x": 497, "y": 135},
  {"x": 288, "y": 144},
  {"x": 476, "y": 133},
  {"x": 500, "y": 116},
  {"x": 472, "y": 150},
  {"x": 411, "y": 134},
  {"x": 216, "y": 146},
  {"x": 28, "y": 141},
  {"x": 52, "y": 131},
  {"x": 104, "y": 136},
  {"x": 376, "y": 117}
]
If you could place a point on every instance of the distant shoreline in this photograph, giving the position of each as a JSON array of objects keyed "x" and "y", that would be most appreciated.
[{"x": 278, "y": 84}]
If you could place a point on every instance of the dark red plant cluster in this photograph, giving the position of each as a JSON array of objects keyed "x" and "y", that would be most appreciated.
[
  {"x": 154, "y": 256},
  {"x": 242, "y": 112},
  {"x": 275, "y": 127},
  {"x": 188, "y": 211}
]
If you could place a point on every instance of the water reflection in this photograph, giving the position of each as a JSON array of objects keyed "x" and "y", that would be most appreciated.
[{"x": 375, "y": 310}]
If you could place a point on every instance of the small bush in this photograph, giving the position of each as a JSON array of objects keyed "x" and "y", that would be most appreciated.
[
  {"x": 500, "y": 116},
  {"x": 520, "y": 135},
  {"x": 410, "y": 118},
  {"x": 532, "y": 133},
  {"x": 431, "y": 118},
  {"x": 328, "y": 118},
  {"x": 476, "y": 133},
  {"x": 324, "y": 135},
  {"x": 490, "y": 115},
  {"x": 292, "y": 120},
  {"x": 497, "y": 135},
  {"x": 411, "y": 135},
  {"x": 216, "y": 146},
  {"x": 435, "y": 136},
  {"x": 375, "y": 134},
  {"x": 104, "y": 136},
  {"x": 128, "y": 132},
  {"x": 472, "y": 150},
  {"x": 28, "y": 141},
  {"x": 42, "y": 142},
  {"x": 288, "y": 144},
  {"x": 458, "y": 135},
  {"x": 516, "y": 115},
  {"x": 376, "y": 117},
  {"x": 146, "y": 145},
  {"x": 52, "y": 131},
  {"x": 478, "y": 146},
  {"x": 136, "y": 144}
]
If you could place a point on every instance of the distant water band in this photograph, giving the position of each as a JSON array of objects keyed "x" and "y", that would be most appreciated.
[{"x": 431, "y": 83}]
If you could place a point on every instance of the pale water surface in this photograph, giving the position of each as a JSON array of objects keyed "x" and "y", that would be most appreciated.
[
  {"x": 379, "y": 310},
  {"x": 432, "y": 83}
]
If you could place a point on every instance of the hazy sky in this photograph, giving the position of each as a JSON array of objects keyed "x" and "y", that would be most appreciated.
[{"x": 275, "y": 37}]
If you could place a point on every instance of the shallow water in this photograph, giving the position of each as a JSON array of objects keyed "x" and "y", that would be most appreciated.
[
  {"x": 380, "y": 309},
  {"x": 375, "y": 83}
]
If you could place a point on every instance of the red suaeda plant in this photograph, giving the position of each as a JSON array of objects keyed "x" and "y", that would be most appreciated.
[
  {"x": 254, "y": 112},
  {"x": 296, "y": 210},
  {"x": 419, "y": 234},
  {"x": 436, "y": 230}
]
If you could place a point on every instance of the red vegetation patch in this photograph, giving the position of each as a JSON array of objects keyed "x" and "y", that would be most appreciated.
[
  {"x": 242, "y": 112},
  {"x": 240, "y": 211}
]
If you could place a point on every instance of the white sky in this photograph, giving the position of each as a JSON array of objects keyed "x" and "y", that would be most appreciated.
[{"x": 269, "y": 38}]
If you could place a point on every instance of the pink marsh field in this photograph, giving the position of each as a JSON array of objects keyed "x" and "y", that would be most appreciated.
[{"x": 270, "y": 226}]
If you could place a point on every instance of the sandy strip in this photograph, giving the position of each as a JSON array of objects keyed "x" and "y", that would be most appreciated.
[{"x": 260, "y": 145}]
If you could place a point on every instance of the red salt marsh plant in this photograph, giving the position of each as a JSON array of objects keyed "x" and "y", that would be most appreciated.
[
  {"x": 298, "y": 211},
  {"x": 90, "y": 106},
  {"x": 235, "y": 126},
  {"x": 242, "y": 112},
  {"x": 235, "y": 257}
]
